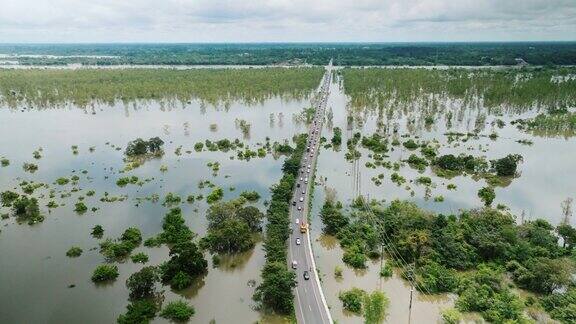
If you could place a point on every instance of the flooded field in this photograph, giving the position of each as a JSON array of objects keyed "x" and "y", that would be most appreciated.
[
  {"x": 48, "y": 135},
  {"x": 90, "y": 143},
  {"x": 543, "y": 183}
]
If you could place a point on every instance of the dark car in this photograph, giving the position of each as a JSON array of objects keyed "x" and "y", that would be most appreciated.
[
  {"x": 306, "y": 275},
  {"x": 294, "y": 203}
]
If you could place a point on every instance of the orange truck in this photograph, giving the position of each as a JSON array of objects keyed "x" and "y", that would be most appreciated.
[{"x": 303, "y": 227}]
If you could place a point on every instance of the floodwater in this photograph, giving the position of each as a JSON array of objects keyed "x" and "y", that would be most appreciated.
[
  {"x": 545, "y": 181},
  {"x": 35, "y": 272}
]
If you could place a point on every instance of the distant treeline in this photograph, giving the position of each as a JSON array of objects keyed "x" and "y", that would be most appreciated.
[
  {"x": 534, "y": 53},
  {"x": 47, "y": 88}
]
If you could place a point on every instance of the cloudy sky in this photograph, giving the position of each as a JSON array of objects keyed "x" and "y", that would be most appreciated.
[{"x": 285, "y": 20}]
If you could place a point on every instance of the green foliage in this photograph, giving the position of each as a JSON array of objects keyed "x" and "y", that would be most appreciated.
[
  {"x": 275, "y": 291},
  {"x": 337, "y": 137},
  {"x": 97, "y": 231},
  {"x": 417, "y": 162},
  {"x": 141, "y": 283},
  {"x": 121, "y": 248},
  {"x": 122, "y": 182},
  {"x": 374, "y": 87},
  {"x": 250, "y": 195},
  {"x": 180, "y": 281},
  {"x": 410, "y": 144},
  {"x": 451, "y": 316},
  {"x": 506, "y": 166},
  {"x": 185, "y": 257},
  {"x": 436, "y": 278},
  {"x": 397, "y": 178},
  {"x": 30, "y": 167},
  {"x": 483, "y": 292},
  {"x": 62, "y": 181},
  {"x": 140, "y": 311},
  {"x": 332, "y": 218},
  {"x": 26, "y": 209},
  {"x": 352, "y": 300},
  {"x": 376, "y": 143},
  {"x": 140, "y": 147},
  {"x": 386, "y": 271},
  {"x": 424, "y": 181},
  {"x": 231, "y": 235},
  {"x": 461, "y": 163},
  {"x": 543, "y": 275},
  {"x": 74, "y": 252},
  {"x": 81, "y": 87},
  {"x": 8, "y": 197},
  {"x": 375, "y": 306},
  {"x": 355, "y": 256},
  {"x": 80, "y": 207},
  {"x": 4, "y": 162},
  {"x": 174, "y": 228},
  {"x": 231, "y": 226},
  {"x": 171, "y": 199},
  {"x": 214, "y": 196},
  {"x": 561, "y": 305},
  {"x": 105, "y": 272},
  {"x": 178, "y": 311},
  {"x": 487, "y": 195},
  {"x": 139, "y": 257}
]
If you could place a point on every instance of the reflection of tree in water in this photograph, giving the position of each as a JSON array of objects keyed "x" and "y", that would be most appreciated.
[
  {"x": 192, "y": 291},
  {"x": 235, "y": 261}
]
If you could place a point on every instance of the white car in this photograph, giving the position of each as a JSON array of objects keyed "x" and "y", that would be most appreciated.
[
  {"x": 304, "y": 191},
  {"x": 297, "y": 241},
  {"x": 301, "y": 179},
  {"x": 297, "y": 221},
  {"x": 299, "y": 207},
  {"x": 294, "y": 264},
  {"x": 301, "y": 199}
]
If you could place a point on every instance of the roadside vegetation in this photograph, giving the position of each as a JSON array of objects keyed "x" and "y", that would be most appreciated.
[{"x": 275, "y": 292}]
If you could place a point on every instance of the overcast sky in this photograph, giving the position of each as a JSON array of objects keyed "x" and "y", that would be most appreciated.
[{"x": 285, "y": 20}]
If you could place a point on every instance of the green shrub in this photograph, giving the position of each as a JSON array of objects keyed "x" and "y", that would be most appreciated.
[
  {"x": 178, "y": 311},
  {"x": 105, "y": 272},
  {"x": 74, "y": 252},
  {"x": 139, "y": 258},
  {"x": 352, "y": 300}
]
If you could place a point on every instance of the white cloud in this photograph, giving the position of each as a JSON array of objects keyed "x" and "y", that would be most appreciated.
[{"x": 285, "y": 20}]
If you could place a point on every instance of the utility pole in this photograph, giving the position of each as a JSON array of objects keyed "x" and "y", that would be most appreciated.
[{"x": 410, "y": 307}]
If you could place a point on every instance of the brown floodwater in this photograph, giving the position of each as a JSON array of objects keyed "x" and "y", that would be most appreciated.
[{"x": 35, "y": 273}]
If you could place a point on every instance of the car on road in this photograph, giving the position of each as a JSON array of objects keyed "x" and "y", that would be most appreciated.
[
  {"x": 306, "y": 275},
  {"x": 301, "y": 199},
  {"x": 297, "y": 241},
  {"x": 301, "y": 179},
  {"x": 299, "y": 207},
  {"x": 294, "y": 264},
  {"x": 293, "y": 202},
  {"x": 303, "y": 191},
  {"x": 298, "y": 185},
  {"x": 297, "y": 221}
]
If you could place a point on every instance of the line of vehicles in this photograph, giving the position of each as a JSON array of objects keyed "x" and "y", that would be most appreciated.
[{"x": 306, "y": 168}]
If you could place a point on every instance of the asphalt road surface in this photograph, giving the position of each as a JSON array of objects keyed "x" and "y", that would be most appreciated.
[{"x": 310, "y": 304}]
